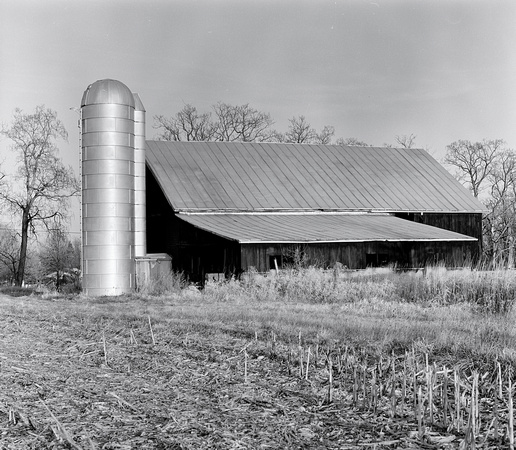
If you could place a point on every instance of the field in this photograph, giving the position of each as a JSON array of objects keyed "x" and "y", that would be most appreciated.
[{"x": 301, "y": 359}]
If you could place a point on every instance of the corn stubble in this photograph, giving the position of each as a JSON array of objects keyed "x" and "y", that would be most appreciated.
[
  {"x": 446, "y": 405},
  {"x": 472, "y": 408},
  {"x": 371, "y": 341}
]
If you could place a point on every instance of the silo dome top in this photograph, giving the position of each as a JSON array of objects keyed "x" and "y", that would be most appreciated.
[{"x": 107, "y": 91}]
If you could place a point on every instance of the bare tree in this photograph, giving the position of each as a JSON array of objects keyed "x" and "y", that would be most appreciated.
[
  {"x": 406, "y": 141},
  {"x": 241, "y": 123},
  {"x": 474, "y": 162},
  {"x": 40, "y": 188},
  {"x": 57, "y": 255},
  {"x": 9, "y": 252},
  {"x": 301, "y": 132},
  {"x": 499, "y": 222},
  {"x": 353, "y": 142},
  {"x": 326, "y": 135},
  {"x": 276, "y": 136},
  {"x": 186, "y": 125}
]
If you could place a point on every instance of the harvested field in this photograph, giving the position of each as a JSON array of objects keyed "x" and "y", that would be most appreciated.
[{"x": 133, "y": 373}]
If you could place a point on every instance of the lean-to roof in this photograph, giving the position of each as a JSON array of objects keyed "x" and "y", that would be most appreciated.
[
  {"x": 318, "y": 228},
  {"x": 235, "y": 176}
]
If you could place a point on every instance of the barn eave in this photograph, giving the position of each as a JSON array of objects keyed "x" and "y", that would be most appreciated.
[{"x": 192, "y": 211}]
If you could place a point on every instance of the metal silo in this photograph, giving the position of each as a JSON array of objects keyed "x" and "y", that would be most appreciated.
[
  {"x": 108, "y": 110},
  {"x": 139, "y": 179}
]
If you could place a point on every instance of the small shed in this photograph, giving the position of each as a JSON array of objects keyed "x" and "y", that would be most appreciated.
[{"x": 225, "y": 207}]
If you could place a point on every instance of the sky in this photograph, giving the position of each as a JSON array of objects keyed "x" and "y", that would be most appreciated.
[{"x": 442, "y": 70}]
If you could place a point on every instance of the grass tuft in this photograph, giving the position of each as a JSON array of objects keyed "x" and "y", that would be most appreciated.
[{"x": 162, "y": 284}]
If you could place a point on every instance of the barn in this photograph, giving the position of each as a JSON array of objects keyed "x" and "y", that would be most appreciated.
[{"x": 227, "y": 207}]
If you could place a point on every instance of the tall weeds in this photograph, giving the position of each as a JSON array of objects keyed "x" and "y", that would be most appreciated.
[
  {"x": 312, "y": 285},
  {"x": 486, "y": 292},
  {"x": 163, "y": 284},
  {"x": 491, "y": 292}
]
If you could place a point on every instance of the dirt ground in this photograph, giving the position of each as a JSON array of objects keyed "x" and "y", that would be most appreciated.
[{"x": 79, "y": 381}]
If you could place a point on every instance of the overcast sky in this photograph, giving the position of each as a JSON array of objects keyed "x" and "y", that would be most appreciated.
[{"x": 442, "y": 70}]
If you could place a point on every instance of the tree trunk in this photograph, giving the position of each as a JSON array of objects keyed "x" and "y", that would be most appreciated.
[
  {"x": 20, "y": 273},
  {"x": 510, "y": 258},
  {"x": 493, "y": 246}
]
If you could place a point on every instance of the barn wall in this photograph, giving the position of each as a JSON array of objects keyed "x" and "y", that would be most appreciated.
[
  {"x": 159, "y": 213},
  {"x": 194, "y": 252},
  {"x": 469, "y": 224},
  {"x": 358, "y": 255},
  {"x": 197, "y": 252}
]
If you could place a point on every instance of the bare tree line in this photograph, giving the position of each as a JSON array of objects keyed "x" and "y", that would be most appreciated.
[
  {"x": 243, "y": 123},
  {"x": 488, "y": 169}
]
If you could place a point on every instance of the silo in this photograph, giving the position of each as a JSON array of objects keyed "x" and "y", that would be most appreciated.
[
  {"x": 108, "y": 110},
  {"x": 140, "y": 241}
]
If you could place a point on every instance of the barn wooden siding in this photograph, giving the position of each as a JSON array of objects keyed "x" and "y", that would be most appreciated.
[
  {"x": 469, "y": 224},
  {"x": 359, "y": 255}
]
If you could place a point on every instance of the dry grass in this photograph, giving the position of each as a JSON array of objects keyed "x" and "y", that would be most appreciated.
[
  {"x": 246, "y": 365},
  {"x": 162, "y": 284},
  {"x": 84, "y": 375}
]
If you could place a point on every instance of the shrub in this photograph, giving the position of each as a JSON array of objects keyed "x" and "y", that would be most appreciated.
[{"x": 17, "y": 291}]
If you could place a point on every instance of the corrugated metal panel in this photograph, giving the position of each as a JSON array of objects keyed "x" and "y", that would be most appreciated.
[
  {"x": 108, "y": 188},
  {"x": 270, "y": 176},
  {"x": 140, "y": 240},
  {"x": 306, "y": 228},
  {"x": 265, "y": 176}
]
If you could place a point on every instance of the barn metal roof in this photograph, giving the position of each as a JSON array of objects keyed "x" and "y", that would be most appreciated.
[
  {"x": 235, "y": 176},
  {"x": 318, "y": 228}
]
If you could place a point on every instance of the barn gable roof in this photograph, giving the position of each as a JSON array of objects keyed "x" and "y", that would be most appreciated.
[{"x": 261, "y": 177}]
